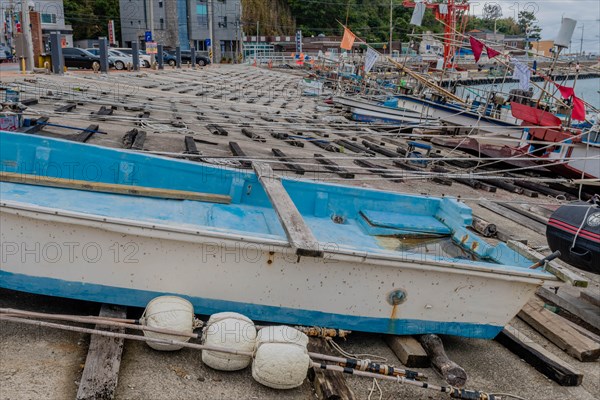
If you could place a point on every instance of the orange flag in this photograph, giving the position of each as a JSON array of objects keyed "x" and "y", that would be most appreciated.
[{"x": 348, "y": 39}]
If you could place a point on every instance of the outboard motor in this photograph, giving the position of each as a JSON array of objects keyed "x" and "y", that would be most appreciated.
[{"x": 574, "y": 230}]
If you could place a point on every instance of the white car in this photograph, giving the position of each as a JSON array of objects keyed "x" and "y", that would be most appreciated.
[
  {"x": 145, "y": 59},
  {"x": 116, "y": 58}
]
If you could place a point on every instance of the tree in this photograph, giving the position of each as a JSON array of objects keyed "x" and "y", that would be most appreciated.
[
  {"x": 492, "y": 12},
  {"x": 89, "y": 18},
  {"x": 528, "y": 24}
]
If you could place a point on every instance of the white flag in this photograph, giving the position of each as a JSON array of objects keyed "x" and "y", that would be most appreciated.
[
  {"x": 418, "y": 14},
  {"x": 522, "y": 73},
  {"x": 370, "y": 58}
]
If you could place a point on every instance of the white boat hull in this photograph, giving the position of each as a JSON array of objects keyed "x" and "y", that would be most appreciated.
[{"x": 111, "y": 260}]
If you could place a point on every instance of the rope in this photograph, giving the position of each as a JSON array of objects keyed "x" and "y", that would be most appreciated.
[
  {"x": 375, "y": 384},
  {"x": 583, "y": 221},
  {"x": 363, "y": 362}
]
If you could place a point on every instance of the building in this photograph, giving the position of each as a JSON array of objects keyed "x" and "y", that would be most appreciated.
[
  {"x": 185, "y": 23},
  {"x": 51, "y": 18},
  {"x": 543, "y": 47}
]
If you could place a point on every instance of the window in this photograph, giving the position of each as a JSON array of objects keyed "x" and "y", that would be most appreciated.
[
  {"x": 48, "y": 18},
  {"x": 223, "y": 22},
  {"x": 202, "y": 14},
  {"x": 160, "y": 4},
  {"x": 162, "y": 23}
]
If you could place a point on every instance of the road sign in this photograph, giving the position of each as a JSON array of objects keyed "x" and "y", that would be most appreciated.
[
  {"x": 148, "y": 36},
  {"x": 207, "y": 42},
  {"x": 151, "y": 48}
]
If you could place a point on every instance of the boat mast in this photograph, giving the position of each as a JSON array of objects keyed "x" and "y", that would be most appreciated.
[{"x": 447, "y": 13}]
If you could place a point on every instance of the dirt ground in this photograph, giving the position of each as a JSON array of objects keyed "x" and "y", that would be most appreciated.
[{"x": 38, "y": 363}]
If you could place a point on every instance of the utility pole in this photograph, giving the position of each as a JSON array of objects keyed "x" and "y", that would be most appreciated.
[
  {"x": 256, "y": 48},
  {"x": 581, "y": 44},
  {"x": 391, "y": 26},
  {"x": 211, "y": 53},
  {"x": 27, "y": 40},
  {"x": 150, "y": 25}
]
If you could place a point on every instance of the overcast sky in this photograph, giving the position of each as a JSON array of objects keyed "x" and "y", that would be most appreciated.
[{"x": 549, "y": 14}]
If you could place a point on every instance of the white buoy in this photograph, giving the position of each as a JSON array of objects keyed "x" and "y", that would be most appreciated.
[
  {"x": 232, "y": 331},
  {"x": 281, "y": 359},
  {"x": 168, "y": 312}
]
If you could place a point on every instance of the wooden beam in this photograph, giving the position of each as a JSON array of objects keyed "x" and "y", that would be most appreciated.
[
  {"x": 452, "y": 373},
  {"x": 190, "y": 146},
  {"x": 556, "y": 330},
  {"x": 590, "y": 297},
  {"x": 520, "y": 210},
  {"x": 286, "y": 161},
  {"x": 332, "y": 166},
  {"x": 101, "y": 371},
  {"x": 516, "y": 217},
  {"x": 588, "y": 313},
  {"x": 237, "y": 151},
  {"x": 66, "y": 108},
  {"x": 408, "y": 350},
  {"x": 299, "y": 235},
  {"x": 216, "y": 130},
  {"x": 583, "y": 331},
  {"x": 254, "y": 136},
  {"x": 328, "y": 385},
  {"x": 114, "y": 188},
  {"x": 538, "y": 357},
  {"x": 129, "y": 138},
  {"x": 138, "y": 143},
  {"x": 29, "y": 102},
  {"x": 85, "y": 134},
  {"x": 562, "y": 273}
]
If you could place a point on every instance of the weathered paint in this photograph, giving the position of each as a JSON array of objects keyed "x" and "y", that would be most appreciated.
[{"x": 218, "y": 255}]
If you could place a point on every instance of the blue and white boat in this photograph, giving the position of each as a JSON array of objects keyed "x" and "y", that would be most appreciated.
[
  {"x": 385, "y": 262},
  {"x": 413, "y": 110}
]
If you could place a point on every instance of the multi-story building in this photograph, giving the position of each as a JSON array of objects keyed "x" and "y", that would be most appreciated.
[
  {"x": 52, "y": 18},
  {"x": 185, "y": 23}
]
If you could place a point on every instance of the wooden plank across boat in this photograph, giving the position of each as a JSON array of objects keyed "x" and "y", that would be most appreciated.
[{"x": 357, "y": 270}]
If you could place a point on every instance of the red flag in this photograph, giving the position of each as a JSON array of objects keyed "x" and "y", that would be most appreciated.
[
  {"x": 565, "y": 91},
  {"x": 348, "y": 39},
  {"x": 477, "y": 47},
  {"x": 491, "y": 52},
  {"x": 578, "y": 109}
]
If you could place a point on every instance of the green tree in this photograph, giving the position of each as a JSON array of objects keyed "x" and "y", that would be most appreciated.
[
  {"x": 528, "y": 25},
  {"x": 89, "y": 18}
]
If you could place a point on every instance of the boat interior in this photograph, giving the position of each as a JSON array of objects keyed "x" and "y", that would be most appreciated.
[{"x": 355, "y": 219}]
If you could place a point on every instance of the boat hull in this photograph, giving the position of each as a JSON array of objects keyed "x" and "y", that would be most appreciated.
[{"x": 54, "y": 253}]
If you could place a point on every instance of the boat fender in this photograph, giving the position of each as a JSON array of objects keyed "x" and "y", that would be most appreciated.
[
  {"x": 232, "y": 331},
  {"x": 170, "y": 312},
  {"x": 281, "y": 358}
]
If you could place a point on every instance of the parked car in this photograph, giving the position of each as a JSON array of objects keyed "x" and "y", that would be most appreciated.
[
  {"x": 169, "y": 58},
  {"x": 145, "y": 59},
  {"x": 186, "y": 56},
  {"x": 116, "y": 58},
  {"x": 79, "y": 58},
  {"x": 5, "y": 53}
]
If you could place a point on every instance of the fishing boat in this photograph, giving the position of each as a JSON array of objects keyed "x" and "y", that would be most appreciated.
[
  {"x": 116, "y": 226},
  {"x": 543, "y": 143},
  {"x": 385, "y": 111},
  {"x": 416, "y": 110}
]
